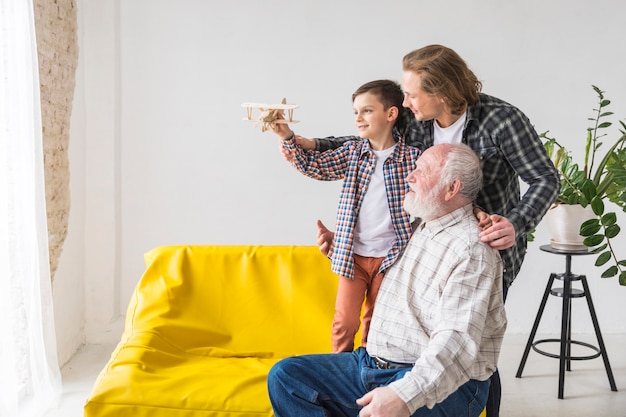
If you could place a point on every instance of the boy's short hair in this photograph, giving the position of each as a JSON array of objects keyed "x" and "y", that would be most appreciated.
[{"x": 388, "y": 92}]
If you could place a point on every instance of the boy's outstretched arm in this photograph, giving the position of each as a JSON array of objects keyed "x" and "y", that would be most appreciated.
[
  {"x": 284, "y": 132},
  {"x": 304, "y": 143}
]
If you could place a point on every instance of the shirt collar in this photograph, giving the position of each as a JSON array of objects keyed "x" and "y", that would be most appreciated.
[
  {"x": 473, "y": 111},
  {"x": 397, "y": 153},
  {"x": 447, "y": 220}
]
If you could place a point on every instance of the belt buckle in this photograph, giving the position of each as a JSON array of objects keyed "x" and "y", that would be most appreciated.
[{"x": 380, "y": 363}]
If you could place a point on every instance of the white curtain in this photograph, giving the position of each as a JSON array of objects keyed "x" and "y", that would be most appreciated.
[{"x": 30, "y": 380}]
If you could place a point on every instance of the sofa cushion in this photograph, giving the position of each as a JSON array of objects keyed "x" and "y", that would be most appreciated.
[{"x": 206, "y": 323}]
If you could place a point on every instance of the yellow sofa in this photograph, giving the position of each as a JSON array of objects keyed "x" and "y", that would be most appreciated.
[{"x": 206, "y": 323}]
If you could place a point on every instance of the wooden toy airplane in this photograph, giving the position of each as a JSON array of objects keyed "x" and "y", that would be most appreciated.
[{"x": 269, "y": 113}]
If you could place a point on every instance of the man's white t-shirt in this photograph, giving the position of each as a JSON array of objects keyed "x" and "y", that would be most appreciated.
[{"x": 450, "y": 134}]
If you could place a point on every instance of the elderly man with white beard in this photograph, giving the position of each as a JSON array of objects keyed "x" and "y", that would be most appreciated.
[{"x": 439, "y": 319}]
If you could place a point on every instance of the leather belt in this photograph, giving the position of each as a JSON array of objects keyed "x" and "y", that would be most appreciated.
[{"x": 385, "y": 364}]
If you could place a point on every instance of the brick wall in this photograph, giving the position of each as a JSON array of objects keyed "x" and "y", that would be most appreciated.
[{"x": 55, "y": 22}]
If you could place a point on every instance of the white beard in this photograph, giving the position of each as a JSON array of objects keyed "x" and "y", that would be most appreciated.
[{"x": 425, "y": 207}]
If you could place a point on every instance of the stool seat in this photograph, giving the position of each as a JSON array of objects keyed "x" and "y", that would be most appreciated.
[{"x": 567, "y": 293}]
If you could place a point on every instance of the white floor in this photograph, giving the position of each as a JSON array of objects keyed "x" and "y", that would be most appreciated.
[{"x": 587, "y": 391}]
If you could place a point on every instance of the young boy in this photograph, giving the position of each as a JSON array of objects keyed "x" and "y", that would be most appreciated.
[{"x": 372, "y": 226}]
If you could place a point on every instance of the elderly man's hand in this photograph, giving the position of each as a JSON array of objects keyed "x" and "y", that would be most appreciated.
[
  {"x": 500, "y": 235},
  {"x": 382, "y": 402}
]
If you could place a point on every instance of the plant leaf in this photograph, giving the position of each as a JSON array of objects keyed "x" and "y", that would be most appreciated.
[
  {"x": 612, "y": 231},
  {"x": 611, "y": 272},
  {"x": 597, "y": 205},
  {"x": 572, "y": 199},
  {"x": 603, "y": 258},
  {"x": 590, "y": 227},
  {"x": 600, "y": 249},
  {"x": 589, "y": 189},
  {"x": 594, "y": 240},
  {"x": 609, "y": 219}
]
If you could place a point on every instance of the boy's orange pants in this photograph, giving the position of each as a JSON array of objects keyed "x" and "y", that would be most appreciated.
[{"x": 350, "y": 294}]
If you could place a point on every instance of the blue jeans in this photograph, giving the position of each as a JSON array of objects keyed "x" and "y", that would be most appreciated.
[{"x": 329, "y": 385}]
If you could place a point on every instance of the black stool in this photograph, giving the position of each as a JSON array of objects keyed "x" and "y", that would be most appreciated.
[{"x": 567, "y": 293}]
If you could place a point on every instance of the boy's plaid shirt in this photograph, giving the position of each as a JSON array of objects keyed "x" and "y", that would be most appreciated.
[{"x": 354, "y": 162}]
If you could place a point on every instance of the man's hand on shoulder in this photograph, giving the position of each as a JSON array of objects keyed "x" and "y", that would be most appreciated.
[
  {"x": 382, "y": 402},
  {"x": 484, "y": 219},
  {"x": 500, "y": 235}
]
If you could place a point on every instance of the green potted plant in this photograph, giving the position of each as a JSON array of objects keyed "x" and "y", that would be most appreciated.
[{"x": 602, "y": 179}]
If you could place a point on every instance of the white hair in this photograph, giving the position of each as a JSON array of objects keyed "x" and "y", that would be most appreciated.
[{"x": 463, "y": 164}]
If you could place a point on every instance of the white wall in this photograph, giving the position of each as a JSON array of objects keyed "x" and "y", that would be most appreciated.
[
  {"x": 69, "y": 281},
  {"x": 167, "y": 159},
  {"x": 68, "y": 287}
]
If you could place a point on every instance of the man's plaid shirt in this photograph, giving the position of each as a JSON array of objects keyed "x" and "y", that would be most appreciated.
[
  {"x": 508, "y": 147},
  {"x": 354, "y": 162}
]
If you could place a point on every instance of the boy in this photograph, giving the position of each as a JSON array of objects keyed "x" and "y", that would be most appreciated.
[{"x": 372, "y": 226}]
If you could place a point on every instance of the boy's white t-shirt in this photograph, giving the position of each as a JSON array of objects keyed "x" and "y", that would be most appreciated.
[
  {"x": 373, "y": 234},
  {"x": 450, "y": 134}
]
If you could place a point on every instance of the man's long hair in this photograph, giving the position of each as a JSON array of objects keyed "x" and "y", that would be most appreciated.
[{"x": 444, "y": 74}]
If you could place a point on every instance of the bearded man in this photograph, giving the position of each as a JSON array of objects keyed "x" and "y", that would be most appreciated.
[{"x": 439, "y": 319}]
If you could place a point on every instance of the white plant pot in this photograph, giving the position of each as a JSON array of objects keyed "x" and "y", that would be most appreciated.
[{"x": 564, "y": 222}]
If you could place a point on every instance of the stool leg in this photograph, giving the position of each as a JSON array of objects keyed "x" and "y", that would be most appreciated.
[
  {"x": 596, "y": 326},
  {"x": 568, "y": 354},
  {"x": 531, "y": 338},
  {"x": 567, "y": 288}
]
